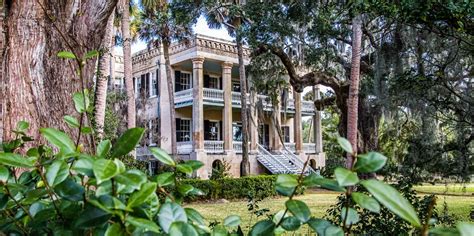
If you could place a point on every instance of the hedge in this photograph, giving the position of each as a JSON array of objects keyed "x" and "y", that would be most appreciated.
[{"x": 261, "y": 186}]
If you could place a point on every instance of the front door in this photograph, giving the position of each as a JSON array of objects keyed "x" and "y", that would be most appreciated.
[{"x": 264, "y": 136}]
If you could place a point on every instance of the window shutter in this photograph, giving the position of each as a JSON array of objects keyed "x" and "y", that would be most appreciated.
[
  {"x": 178, "y": 128},
  {"x": 206, "y": 130},
  {"x": 220, "y": 83},
  {"x": 177, "y": 84},
  {"x": 206, "y": 81},
  {"x": 157, "y": 81},
  {"x": 221, "y": 131}
]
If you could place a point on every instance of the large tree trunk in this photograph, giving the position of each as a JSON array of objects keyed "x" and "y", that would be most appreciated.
[
  {"x": 169, "y": 79},
  {"x": 103, "y": 77},
  {"x": 37, "y": 86},
  {"x": 353, "y": 100},
  {"x": 127, "y": 64},
  {"x": 245, "y": 165}
]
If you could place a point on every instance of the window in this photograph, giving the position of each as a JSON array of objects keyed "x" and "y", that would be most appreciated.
[
  {"x": 237, "y": 131},
  {"x": 236, "y": 86},
  {"x": 183, "y": 130},
  {"x": 212, "y": 82},
  {"x": 211, "y": 130},
  {"x": 154, "y": 91},
  {"x": 285, "y": 132},
  {"x": 185, "y": 80},
  {"x": 153, "y": 131}
]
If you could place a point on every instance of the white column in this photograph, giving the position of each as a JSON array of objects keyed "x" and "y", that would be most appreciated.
[
  {"x": 317, "y": 129},
  {"x": 298, "y": 128},
  {"x": 198, "y": 110},
  {"x": 227, "y": 111}
]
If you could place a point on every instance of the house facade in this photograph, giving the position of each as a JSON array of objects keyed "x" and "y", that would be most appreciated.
[{"x": 208, "y": 105}]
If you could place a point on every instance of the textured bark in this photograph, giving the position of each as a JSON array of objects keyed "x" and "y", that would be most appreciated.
[
  {"x": 39, "y": 85},
  {"x": 169, "y": 79},
  {"x": 245, "y": 165},
  {"x": 103, "y": 77},
  {"x": 353, "y": 100},
  {"x": 127, "y": 64}
]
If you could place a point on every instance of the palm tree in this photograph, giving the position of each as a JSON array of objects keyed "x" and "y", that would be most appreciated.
[
  {"x": 103, "y": 76},
  {"x": 159, "y": 26},
  {"x": 229, "y": 14},
  {"x": 353, "y": 99},
  {"x": 127, "y": 64}
]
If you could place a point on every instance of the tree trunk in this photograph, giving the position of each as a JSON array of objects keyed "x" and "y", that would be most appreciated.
[
  {"x": 36, "y": 85},
  {"x": 353, "y": 100},
  {"x": 103, "y": 77},
  {"x": 127, "y": 64},
  {"x": 166, "y": 45},
  {"x": 245, "y": 165}
]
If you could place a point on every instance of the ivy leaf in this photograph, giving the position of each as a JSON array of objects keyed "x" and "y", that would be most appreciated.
[
  {"x": 81, "y": 101},
  {"x": 232, "y": 221},
  {"x": 291, "y": 223},
  {"x": 145, "y": 224},
  {"x": 286, "y": 184},
  {"x": 370, "y": 162},
  {"x": 104, "y": 170},
  {"x": 165, "y": 179},
  {"x": 103, "y": 148},
  {"x": 352, "y": 216},
  {"x": 345, "y": 144},
  {"x": 59, "y": 139},
  {"x": 66, "y": 55},
  {"x": 57, "y": 172},
  {"x": 299, "y": 209},
  {"x": 366, "y": 202},
  {"x": 263, "y": 227},
  {"x": 393, "y": 200},
  {"x": 345, "y": 177},
  {"x": 22, "y": 126},
  {"x": 15, "y": 160},
  {"x": 171, "y": 212},
  {"x": 127, "y": 142},
  {"x": 162, "y": 156},
  {"x": 142, "y": 195},
  {"x": 182, "y": 229}
]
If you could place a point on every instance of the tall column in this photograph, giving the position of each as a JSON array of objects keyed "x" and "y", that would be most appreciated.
[
  {"x": 227, "y": 111},
  {"x": 317, "y": 129},
  {"x": 297, "y": 123},
  {"x": 198, "y": 112}
]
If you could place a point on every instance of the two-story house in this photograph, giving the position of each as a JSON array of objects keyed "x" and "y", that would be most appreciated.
[{"x": 208, "y": 116}]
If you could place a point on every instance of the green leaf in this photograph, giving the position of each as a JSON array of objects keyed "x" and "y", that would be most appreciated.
[
  {"x": 194, "y": 164},
  {"x": 91, "y": 54},
  {"x": 170, "y": 212},
  {"x": 86, "y": 130},
  {"x": 70, "y": 190},
  {"x": 330, "y": 184},
  {"x": 286, "y": 184},
  {"x": 103, "y": 148},
  {"x": 165, "y": 179},
  {"x": 22, "y": 126},
  {"x": 104, "y": 170},
  {"x": 352, "y": 216},
  {"x": 15, "y": 160},
  {"x": 183, "y": 168},
  {"x": 4, "y": 174},
  {"x": 127, "y": 142},
  {"x": 219, "y": 230},
  {"x": 131, "y": 178},
  {"x": 66, "y": 55},
  {"x": 145, "y": 224},
  {"x": 195, "y": 216},
  {"x": 319, "y": 225},
  {"x": 162, "y": 156},
  {"x": 71, "y": 121},
  {"x": 291, "y": 223},
  {"x": 59, "y": 139},
  {"x": 345, "y": 177},
  {"x": 114, "y": 230},
  {"x": 182, "y": 229},
  {"x": 81, "y": 101},
  {"x": 333, "y": 231},
  {"x": 366, "y": 202},
  {"x": 370, "y": 162},
  {"x": 345, "y": 144},
  {"x": 299, "y": 210},
  {"x": 91, "y": 217},
  {"x": 442, "y": 231},
  {"x": 263, "y": 227},
  {"x": 232, "y": 221},
  {"x": 311, "y": 180},
  {"x": 142, "y": 195},
  {"x": 84, "y": 165},
  {"x": 184, "y": 189},
  {"x": 465, "y": 228},
  {"x": 393, "y": 200},
  {"x": 57, "y": 172}
]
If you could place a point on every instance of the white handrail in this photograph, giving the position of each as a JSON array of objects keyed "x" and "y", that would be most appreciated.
[
  {"x": 296, "y": 160},
  {"x": 273, "y": 159}
]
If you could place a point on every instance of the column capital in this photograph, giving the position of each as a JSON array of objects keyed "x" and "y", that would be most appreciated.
[
  {"x": 227, "y": 64},
  {"x": 198, "y": 60}
]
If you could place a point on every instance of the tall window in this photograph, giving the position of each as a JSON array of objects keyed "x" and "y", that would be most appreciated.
[
  {"x": 154, "y": 90},
  {"x": 236, "y": 86},
  {"x": 183, "y": 130},
  {"x": 211, "y": 130},
  {"x": 285, "y": 132},
  {"x": 185, "y": 80},
  {"x": 237, "y": 131}
]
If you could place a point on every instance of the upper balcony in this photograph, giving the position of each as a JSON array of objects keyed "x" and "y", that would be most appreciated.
[{"x": 215, "y": 97}]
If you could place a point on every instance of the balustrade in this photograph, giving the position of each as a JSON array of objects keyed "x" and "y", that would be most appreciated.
[{"x": 213, "y": 146}]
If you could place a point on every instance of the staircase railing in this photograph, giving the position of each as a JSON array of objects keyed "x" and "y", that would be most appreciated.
[
  {"x": 296, "y": 160},
  {"x": 272, "y": 158}
]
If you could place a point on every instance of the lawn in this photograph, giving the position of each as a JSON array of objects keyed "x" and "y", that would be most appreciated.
[{"x": 320, "y": 201}]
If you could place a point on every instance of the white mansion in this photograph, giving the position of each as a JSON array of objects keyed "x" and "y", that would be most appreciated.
[{"x": 207, "y": 103}]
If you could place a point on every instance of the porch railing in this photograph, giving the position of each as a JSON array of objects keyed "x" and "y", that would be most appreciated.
[
  {"x": 291, "y": 147},
  {"x": 213, "y": 146},
  {"x": 309, "y": 148},
  {"x": 237, "y": 146},
  {"x": 213, "y": 95},
  {"x": 307, "y": 107},
  {"x": 184, "y": 147},
  {"x": 183, "y": 96}
]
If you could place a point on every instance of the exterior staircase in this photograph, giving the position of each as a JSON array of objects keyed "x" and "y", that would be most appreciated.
[{"x": 284, "y": 162}]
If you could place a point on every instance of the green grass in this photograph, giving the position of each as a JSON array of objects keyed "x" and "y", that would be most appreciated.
[
  {"x": 320, "y": 201},
  {"x": 459, "y": 189}
]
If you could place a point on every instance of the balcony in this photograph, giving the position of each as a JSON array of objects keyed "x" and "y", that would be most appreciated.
[
  {"x": 308, "y": 148},
  {"x": 216, "y": 97}
]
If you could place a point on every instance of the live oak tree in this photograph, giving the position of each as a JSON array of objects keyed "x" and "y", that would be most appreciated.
[{"x": 36, "y": 83}]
